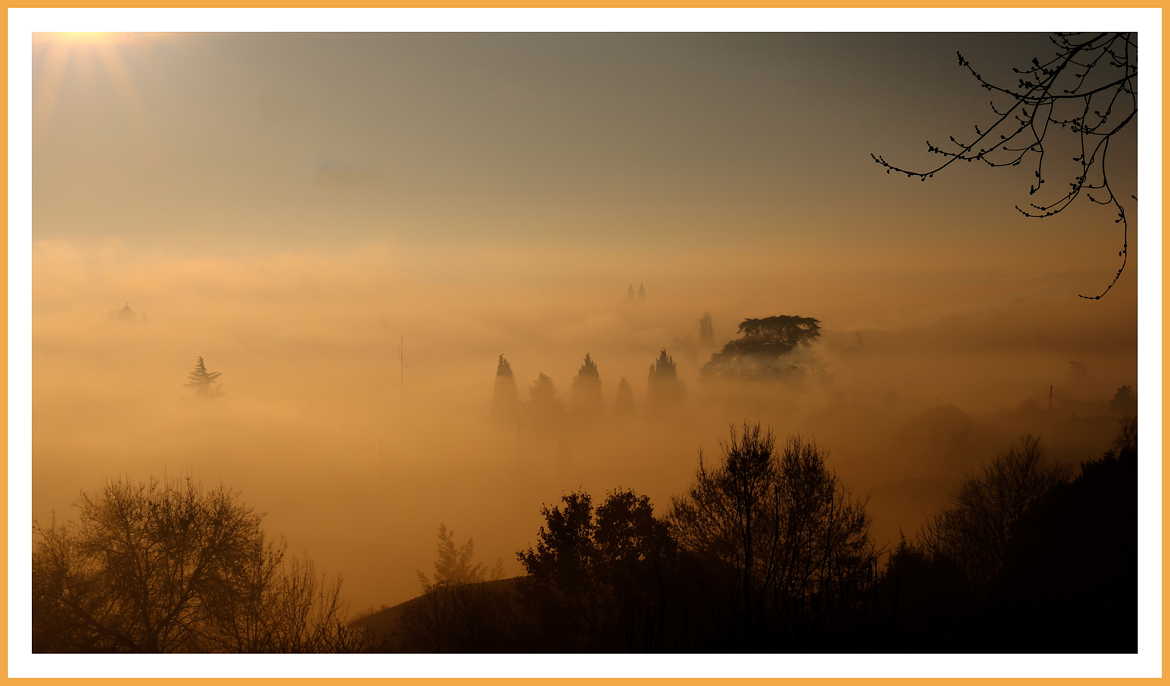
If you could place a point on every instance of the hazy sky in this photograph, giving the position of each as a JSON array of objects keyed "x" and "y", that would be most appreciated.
[{"x": 238, "y": 142}]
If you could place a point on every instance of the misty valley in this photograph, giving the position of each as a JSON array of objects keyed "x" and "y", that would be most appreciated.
[
  {"x": 762, "y": 484},
  {"x": 480, "y": 342}
]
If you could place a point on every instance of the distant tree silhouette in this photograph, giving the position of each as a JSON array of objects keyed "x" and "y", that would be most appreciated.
[
  {"x": 664, "y": 390},
  {"x": 1124, "y": 402},
  {"x": 455, "y": 564},
  {"x": 587, "y": 388},
  {"x": 623, "y": 406},
  {"x": 1072, "y": 560},
  {"x": 763, "y": 347},
  {"x": 927, "y": 603},
  {"x": 706, "y": 330},
  {"x": 1024, "y": 562},
  {"x": 798, "y": 543},
  {"x": 545, "y": 408},
  {"x": 205, "y": 383},
  {"x": 976, "y": 532},
  {"x": 1088, "y": 89},
  {"x": 126, "y": 314},
  {"x": 505, "y": 400},
  {"x": 167, "y": 567},
  {"x": 564, "y": 550},
  {"x": 456, "y": 613}
]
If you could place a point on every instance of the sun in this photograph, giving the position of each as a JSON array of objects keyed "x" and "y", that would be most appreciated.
[
  {"x": 75, "y": 38},
  {"x": 86, "y": 37},
  {"x": 96, "y": 55}
]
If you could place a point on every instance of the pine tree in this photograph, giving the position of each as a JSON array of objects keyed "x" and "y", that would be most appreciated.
[
  {"x": 664, "y": 387},
  {"x": 126, "y": 314},
  {"x": 203, "y": 381},
  {"x": 587, "y": 388},
  {"x": 505, "y": 400},
  {"x": 455, "y": 564},
  {"x": 663, "y": 368}
]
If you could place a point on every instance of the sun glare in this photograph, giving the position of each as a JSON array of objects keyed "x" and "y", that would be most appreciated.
[
  {"x": 91, "y": 37},
  {"x": 86, "y": 36},
  {"x": 94, "y": 54}
]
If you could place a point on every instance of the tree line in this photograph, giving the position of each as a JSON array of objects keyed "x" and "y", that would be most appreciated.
[{"x": 766, "y": 551}]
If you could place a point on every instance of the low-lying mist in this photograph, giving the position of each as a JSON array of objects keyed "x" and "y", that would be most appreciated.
[{"x": 356, "y": 449}]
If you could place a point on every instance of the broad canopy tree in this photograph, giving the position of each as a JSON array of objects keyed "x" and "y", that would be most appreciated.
[
  {"x": 764, "y": 348},
  {"x": 598, "y": 574}
]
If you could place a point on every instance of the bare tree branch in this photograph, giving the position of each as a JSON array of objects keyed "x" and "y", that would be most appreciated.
[{"x": 1084, "y": 73}]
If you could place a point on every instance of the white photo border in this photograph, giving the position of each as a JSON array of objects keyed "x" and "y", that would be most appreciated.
[{"x": 24, "y": 22}]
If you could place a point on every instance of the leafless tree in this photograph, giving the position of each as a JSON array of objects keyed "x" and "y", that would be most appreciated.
[
  {"x": 168, "y": 567},
  {"x": 1088, "y": 89},
  {"x": 782, "y": 521},
  {"x": 975, "y": 533}
]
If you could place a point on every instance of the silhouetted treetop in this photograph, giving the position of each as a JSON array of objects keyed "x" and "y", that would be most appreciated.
[
  {"x": 203, "y": 380},
  {"x": 976, "y": 532},
  {"x": 455, "y": 564},
  {"x": 781, "y": 520},
  {"x": 663, "y": 367},
  {"x": 587, "y": 387},
  {"x": 588, "y": 368},
  {"x": 564, "y": 553},
  {"x": 1088, "y": 88},
  {"x": 545, "y": 408},
  {"x": 543, "y": 390},
  {"x": 126, "y": 314},
  {"x": 762, "y": 344},
  {"x": 665, "y": 389},
  {"x": 505, "y": 399},
  {"x": 1124, "y": 402},
  {"x": 503, "y": 368},
  {"x": 782, "y": 329},
  {"x": 168, "y": 567}
]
